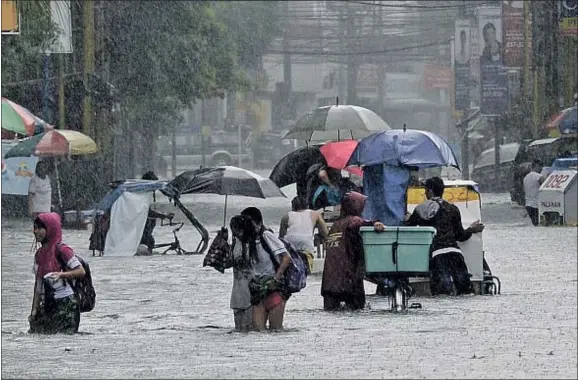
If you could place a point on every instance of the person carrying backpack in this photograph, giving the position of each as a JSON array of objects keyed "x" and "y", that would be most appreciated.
[
  {"x": 55, "y": 307},
  {"x": 268, "y": 295}
]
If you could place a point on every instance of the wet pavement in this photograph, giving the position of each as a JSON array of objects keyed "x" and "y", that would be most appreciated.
[{"x": 168, "y": 317}]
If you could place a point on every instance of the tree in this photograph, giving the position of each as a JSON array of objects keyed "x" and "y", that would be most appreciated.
[
  {"x": 168, "y": 49},
  {"x": 22, "y": 53},
  {"x": 254, "y": 25}
]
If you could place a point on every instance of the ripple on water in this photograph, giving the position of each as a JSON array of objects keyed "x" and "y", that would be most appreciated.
[{"x": 168, "y": 317}]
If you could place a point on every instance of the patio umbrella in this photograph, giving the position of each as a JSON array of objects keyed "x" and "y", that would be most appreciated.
[
  {"x": 292, "y": 167},
  {"x": 54, "y": 143},
  {"x": 337, "y": 154},
  {"x": 415, "y": 148},
  {"x": 18, "y": 119},
  {"x": 337, "y": 122},
  {"x": 226, "y": 180}
]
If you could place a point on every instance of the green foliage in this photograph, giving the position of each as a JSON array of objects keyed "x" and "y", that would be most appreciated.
[
  {"x": 164, "y": 55},
  {"x": 22, "y": 53},
  {"x": 253, "y": 24}
]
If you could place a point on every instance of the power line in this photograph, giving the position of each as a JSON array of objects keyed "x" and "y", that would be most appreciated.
[{"x": 437, "y": 43}]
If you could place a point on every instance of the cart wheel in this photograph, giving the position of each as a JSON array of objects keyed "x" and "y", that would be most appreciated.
[{"x": 399, "y": 299}]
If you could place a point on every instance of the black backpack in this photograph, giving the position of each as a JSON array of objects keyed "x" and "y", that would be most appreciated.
[{"x": 83, "y": 288}]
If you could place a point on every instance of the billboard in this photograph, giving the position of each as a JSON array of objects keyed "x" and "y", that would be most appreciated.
[
  {"x": 568, "y": 10},
  {"x": 60, "y": 14},
  {"x": 494, "y": 78},
  {"x": 462, "y": 56},
  {"x": 513, "y": 33},
  {"x": 10, "y": 24}
]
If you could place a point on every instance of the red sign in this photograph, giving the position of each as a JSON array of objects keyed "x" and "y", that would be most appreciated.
[
  {"x": 556, "y": 181},
  {"x": 437, "y": 77},
  {"x": 513, "y": 33}
]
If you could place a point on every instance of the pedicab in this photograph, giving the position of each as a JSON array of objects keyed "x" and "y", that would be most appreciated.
[
  {"x": 399, "y": 257},
  {"x": 119, "y": 219}
]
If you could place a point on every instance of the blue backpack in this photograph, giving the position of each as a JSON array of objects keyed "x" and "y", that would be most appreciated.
[{"x": 295, "y": 277}]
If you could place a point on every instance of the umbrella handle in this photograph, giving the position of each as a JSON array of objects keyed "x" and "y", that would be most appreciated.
[{"x": 225, "y": 212}]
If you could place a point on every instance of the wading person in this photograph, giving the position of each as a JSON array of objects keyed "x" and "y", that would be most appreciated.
[
  {"x": 269, "y": 260},
  {"x": 532, "y": 182},
  {"x": 447, "y": 261},
  {"x": 55, "y": 308},
  {"x": 298, "y": 228},
  {"x": 147, "y": 238},
  {"x": 239, "y": 260},
  {"x": 344, "y": 267},
  {"x": 40, "y": 191}
]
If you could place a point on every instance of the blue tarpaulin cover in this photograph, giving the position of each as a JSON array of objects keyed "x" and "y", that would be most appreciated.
[
  {"x": 130, "y": 186},
  {"x": 385, "y": 187}
]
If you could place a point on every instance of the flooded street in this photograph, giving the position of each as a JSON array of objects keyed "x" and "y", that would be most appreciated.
[{"x": 168, "y": 317}]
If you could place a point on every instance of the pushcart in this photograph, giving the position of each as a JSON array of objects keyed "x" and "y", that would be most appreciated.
[{"x": 395, "y": 255}]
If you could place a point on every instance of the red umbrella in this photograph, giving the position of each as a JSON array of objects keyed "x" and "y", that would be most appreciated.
[{"x": 337, "y": 155}]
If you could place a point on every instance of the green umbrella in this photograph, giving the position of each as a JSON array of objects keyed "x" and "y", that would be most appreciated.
[
  {"x": 25, "y": 148},
  {"x": 16, "y": 118}
]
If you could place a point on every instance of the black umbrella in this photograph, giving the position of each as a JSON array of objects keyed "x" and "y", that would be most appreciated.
[
  {"x": 292, "y": 168},
  {"x": 226, "y": 180}
]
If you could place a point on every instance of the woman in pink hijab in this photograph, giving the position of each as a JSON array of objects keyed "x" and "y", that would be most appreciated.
[{"x": 344, "y": 267}]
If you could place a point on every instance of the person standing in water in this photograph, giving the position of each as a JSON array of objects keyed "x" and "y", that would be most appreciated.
[
  {"x": 344, "y": 268},
  {"x": 239, "y": 260},
  {"x": 447, "y": 264},
  {"x": 40, "y": 191},
  {"x": 269, "y": 260},
  {"x": 55, "y": 307},
  {"x": 298, "y": 227},
  {"x": 532, "y": 182}
]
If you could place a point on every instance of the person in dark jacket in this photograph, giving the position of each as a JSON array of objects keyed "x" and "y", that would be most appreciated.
[
  {"x": 447, "y": 258},
  {"x": 147, "y": 234}
]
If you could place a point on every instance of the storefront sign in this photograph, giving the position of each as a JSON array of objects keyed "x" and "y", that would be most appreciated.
[{"x": 569, "y": 18}]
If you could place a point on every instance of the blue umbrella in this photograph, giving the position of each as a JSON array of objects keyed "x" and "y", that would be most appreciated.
[{"x": 414, "y": 148}]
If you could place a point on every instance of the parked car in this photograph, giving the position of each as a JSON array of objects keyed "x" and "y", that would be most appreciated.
[
  {"x": 484, "y": 172},
  {"x": 268, "y": 148},
  {"x": 546, "y": 150},
  {"x": 220, "y": 148}
]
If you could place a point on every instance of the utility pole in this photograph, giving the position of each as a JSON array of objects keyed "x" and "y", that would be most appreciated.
[
  {"x": 287, "y": 66},
  {"x": 537, "y": 63},
  {"x": 497, "y": 143},
  {"x": 341, "y": 78},
  {"x": 61, "y": 103},
  {"x": 555, "y": 60},
  {"x": 352, "y": 64},
  {"x": 45, "y": 86},
  {"x": 380, "y": 68},
  {"x": 88, "y": 11},
  {"x": 527, "y": 56}
]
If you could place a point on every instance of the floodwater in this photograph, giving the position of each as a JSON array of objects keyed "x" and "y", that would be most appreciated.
[{"x": 168, "y": 317}]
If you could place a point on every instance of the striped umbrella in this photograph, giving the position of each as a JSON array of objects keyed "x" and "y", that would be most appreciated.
[{"x": 19, "y": 120}]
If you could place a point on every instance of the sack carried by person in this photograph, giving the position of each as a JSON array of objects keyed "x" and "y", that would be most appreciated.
[
  {"x": 295, "y": 277},
  {"x": 82, "y": 287},
  {"x": 218, "y": 253}
]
